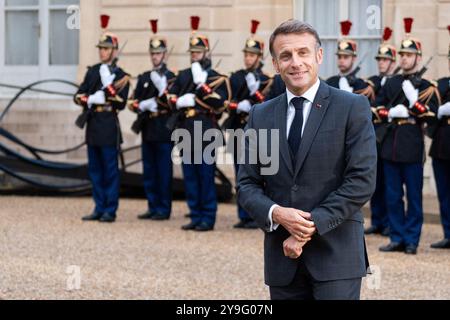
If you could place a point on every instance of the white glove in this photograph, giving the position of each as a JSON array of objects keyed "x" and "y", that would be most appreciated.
[
  {"x": 160, "y": 82},
  {"x": 444, "y": 110},
  {"x": 399, "y": 111},
  {"x": 252, "y": 83},
  {"x": 198, "y": 74},
  {"x": 148, "y": 105},
  {"x": 96, "y": 98},
  {"x": 244, "y": 106},
  {"x": 411, "y": 93},
  {"x": 185, "y": 101},
  {"x": 344, "y": 85},
  {"x": 106, "y": 76}
]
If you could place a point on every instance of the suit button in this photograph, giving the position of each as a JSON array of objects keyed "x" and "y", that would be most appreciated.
[{"x": 295, "y": 188}]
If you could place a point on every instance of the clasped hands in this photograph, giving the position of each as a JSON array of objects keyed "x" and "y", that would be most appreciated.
[{"x": 298, "y": 223}]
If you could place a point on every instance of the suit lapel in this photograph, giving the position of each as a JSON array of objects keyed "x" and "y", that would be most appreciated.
[
  {"x": 280, "y": 123},
  {"x": 318, "y": 110}
]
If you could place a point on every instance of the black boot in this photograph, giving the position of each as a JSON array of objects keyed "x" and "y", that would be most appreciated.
[
  {"x": 189, "y": 226},
  {"x": 107, "y": 218},
  {"x": 373, "y": 230},
  {"x": 160, "y": 217},
  {"x": 443, "y": 244},
  {"x": 393, "y": 247},
  {"x": 94, "y": 216},
  {"x": 240, "y": 224},
  {"x": 203, "y": 226},
  {"x": 411, "y": 249},
  {"x": 145, "y": 216}
]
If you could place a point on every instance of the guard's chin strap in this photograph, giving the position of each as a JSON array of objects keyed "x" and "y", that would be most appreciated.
[
  {"x": 382, "y": 74},
  {"x": 255, "y": 65}
]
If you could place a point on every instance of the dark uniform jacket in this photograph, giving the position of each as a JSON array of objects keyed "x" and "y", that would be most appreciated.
[
  {"x": 208, "y": 107},
  {"x": 356, "y": 83},
  {"x": 154, "y": 127},
  {"x": 241, "y": 92},
  {"x": 103, "y": 128},
  {"x": 405, "y": 142}
]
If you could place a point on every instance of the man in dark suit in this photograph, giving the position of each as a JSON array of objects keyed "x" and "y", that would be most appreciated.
[{"x": 310, "y": 209}]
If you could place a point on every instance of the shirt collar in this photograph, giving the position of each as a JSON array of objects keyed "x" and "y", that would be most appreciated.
[{"x": 309, "y": 95}]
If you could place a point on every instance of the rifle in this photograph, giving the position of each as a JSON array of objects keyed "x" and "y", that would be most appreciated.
[{"x": 83, "y": 118}]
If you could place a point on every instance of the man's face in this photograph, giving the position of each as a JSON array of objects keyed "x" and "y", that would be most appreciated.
[
  {"x": 250, "y": 59},
  {"x": 105, "y": 54},
  {"x": 408, "y": 61},
  {"x": 157, "y": 58},
  {"x": 297, "y": 59},
  {"x": 384, "y": 65},
  {"x": 345, "y": 62},
  {"x": 197, "y": 56}
]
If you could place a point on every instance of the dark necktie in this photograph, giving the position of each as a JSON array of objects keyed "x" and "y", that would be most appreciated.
[{"x": 295, "y": 133}]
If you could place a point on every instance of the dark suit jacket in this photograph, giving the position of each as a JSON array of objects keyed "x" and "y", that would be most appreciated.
[{"x": 334, "y": 176}]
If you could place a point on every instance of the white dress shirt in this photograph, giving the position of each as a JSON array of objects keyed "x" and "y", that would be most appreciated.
[{"x": 309, "y": 95}]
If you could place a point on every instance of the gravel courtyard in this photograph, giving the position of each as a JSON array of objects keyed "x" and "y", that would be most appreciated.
[{"x": 46, "y": 252}]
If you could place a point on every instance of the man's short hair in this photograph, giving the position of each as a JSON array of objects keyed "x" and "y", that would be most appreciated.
[{"x": 296, "y": 27}]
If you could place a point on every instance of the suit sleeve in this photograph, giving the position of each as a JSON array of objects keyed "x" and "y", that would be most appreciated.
[
  {"x": 251, "y": 184},
  {"x": 359, "y": 176}
]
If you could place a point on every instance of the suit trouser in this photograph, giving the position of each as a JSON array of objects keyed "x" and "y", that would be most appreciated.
[
  {"x": 157, "y": 175},
  {"x": 305, "y": 287},
  {"x": 378, "y": 206},
  {"x": 103, "y": 168},
  {"x": 201, "y": 192},
  {"x": 441, "y": 170},
  {"x": 405, "y": 228}
]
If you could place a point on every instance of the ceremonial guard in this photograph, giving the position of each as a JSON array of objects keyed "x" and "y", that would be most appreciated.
[
  {"x": 199, "y": 94},
  {"x": 346, "y": 53},
  {"x": 386, "y": 59},
  {"x": 409, "y": 101},
  {"x": 440, "y": 152},
  {"x": 149, "y": 101},
  {"x": 249, "y": 86},
  {"x": 102, "y": 95}
]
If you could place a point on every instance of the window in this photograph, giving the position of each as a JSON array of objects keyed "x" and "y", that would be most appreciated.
[
  {"x": 324, "y": 16},
  {"x": 35, "y": 42}
]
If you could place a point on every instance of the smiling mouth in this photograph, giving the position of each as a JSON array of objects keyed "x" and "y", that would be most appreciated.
[{"x": 298, "y": 74}]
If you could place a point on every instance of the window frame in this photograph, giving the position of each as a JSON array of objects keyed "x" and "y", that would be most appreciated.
[
  {"x": 344, "y": 11},
  {"x": 24, "y": 74}
]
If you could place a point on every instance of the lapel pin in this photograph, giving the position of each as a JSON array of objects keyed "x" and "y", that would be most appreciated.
[{"x": 318, "y": 106}]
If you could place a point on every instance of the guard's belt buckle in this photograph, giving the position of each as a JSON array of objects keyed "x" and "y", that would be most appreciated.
[{"x": 190, "y": 113}]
